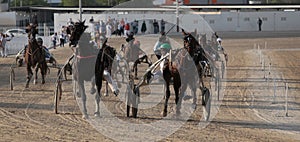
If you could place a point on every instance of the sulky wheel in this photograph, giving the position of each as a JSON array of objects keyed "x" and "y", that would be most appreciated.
[
  {"x": 11, "y": 79},
  {"x": 206, "y": 103},
  {"x": 57, "y": 96}
]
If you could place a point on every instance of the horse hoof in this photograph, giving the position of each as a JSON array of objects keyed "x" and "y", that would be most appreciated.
[
  {"x": 194, "y": 106},
  {"x": 97, "y": 114},
  {"x": 43, "y": 82},
  {"x": 85, "y": 116},
  {"x": 34, "y": 82},
  {"x": 27, "y": 86},
  {"x": 116, "y": 93},
  {"x": 78, "y": 94},
  {"x": 105, "y": 94},
  {"x": 178, "y": 113},
  {"x": 93, "y": 91},
  {"x": 164, "y": 113}
]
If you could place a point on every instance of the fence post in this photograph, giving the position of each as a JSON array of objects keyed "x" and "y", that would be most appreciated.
[
  {"x": 274, "y": 87},
  {"x": 286, "y": 99}
]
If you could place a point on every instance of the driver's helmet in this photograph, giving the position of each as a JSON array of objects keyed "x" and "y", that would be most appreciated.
[
  {"x": 40, "y": 41},
  {"x": 165, "y": 47}
]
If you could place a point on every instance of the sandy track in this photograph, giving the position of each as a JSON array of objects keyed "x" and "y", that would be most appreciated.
[{"x": 247, "y": 113}]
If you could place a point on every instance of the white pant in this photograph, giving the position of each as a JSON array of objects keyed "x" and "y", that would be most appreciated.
[
  {"x": 3, "y": 51},
  {"x": 111, "y": 83}
]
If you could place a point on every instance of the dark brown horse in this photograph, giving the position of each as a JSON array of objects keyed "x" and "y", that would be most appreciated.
[
  {"x": 185, "y": 69},
  {"x": 34, "y": 56}
]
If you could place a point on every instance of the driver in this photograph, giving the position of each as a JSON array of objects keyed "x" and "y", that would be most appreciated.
[
  {"x": 164, "y": 49},
  {"x": 162, "y": 39}
]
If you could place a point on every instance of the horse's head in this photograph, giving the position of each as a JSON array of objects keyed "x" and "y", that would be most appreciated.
[
  {"x": 110, "y": 53},
  {"x": 130, "y": 37},
  {"x": 76, "y": 31},
  {"x": 31, "y": 30},
  {"x": 190, "y": 42}
]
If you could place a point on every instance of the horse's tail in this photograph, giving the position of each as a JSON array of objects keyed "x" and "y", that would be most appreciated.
[{"x": 98, "y": 72}]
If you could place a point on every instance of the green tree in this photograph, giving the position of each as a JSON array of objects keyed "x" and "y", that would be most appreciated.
[
  {"x": 14, "y": 3},
  {"x": 92, "y": 2}
]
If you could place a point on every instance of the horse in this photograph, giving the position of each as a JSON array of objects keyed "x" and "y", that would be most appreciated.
[
  {"x": 84, "y": 59},
  {"x": 104, "y": 62},
  {"x": 132, "y": 52},
  {"x": 182, "y": 69},
  {"x": 34, "y": 56}
]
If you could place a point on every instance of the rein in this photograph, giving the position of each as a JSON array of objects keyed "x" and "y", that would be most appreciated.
[{"x": 85, "y": 57}]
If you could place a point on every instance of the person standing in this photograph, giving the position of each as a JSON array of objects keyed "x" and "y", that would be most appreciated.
[
  {"x": 155, "y": 26},
  {"x": 102, "y": 28},
  {"x": 144, "y": 27},
  {"x": 162, "y": 25},
  {"x": 259, "y": 22},
  {"x": 54, "y": 40},
  {"x": 3, "y": 39},
  {"x": 61, "y": 40},
  {"x": 126, "y": 29},
  {"x": 108, "y": 30}
]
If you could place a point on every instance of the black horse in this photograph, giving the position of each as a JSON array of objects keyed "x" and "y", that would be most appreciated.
[{"x": 104, "y": 61}]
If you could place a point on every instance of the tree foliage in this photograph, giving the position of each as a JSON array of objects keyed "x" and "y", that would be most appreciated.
[
  {"x": 92, "y": 2},
  {"x": 28, "y": 3},
  {"x": 67, "y": 2}
]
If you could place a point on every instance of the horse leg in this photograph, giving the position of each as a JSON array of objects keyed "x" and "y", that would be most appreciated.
[
  {"x": 194, "y": 89},
  {"x": 106, "y": 88},
  {"x": 179, "y": 90},
  {"x": 43, "y": 68},
  {"x": 165, "y": 111},
  {"x": 97, "y": 98},
  {"x": 167, "y": 77},
  {"x": 29, "y": 75},
  {"x": 36, "y": 69},
  {"x": 97, "y": 102},
  {"x": 83, "y": 98},
  {"x": 93, "y": 84},
  {"x": 135, "y": 69}
]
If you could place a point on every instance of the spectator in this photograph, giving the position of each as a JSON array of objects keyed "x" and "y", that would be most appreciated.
[
  {"x": 144, "y": 27},
  {"x": 108, "y": 30},
  {"x": 135, "y": 26},
  {"x": 102, "y": 28},
  {"x": 127, "y": 29},
  {"x": 162, "y": 25},
  {"x": 259, "y": 22},
  {"x": 3, "y": 39},
  {"x": 62, "y": 40},
  {"x": 156, "y": 26},
  {"x": 54, "y": 40},
  {"x": 92, "y": 20},
  {"x": 70, "y": 22}
]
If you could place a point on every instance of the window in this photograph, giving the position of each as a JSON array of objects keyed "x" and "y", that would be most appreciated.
[
  {"x": 283, "y": 18},
  {"x": 265, "y": 19},
  {"x": 195, "y": 21},
  {"x": 211, "y": 21},
  {"x": 247, "y": 19},
  {"x": 229, "y": 19}
]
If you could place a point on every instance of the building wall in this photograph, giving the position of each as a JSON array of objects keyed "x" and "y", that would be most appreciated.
[
  {"x": 3, "y": 7},
  {"x": 224, "y": 21},
  {"x": 217, "y": 2}
]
